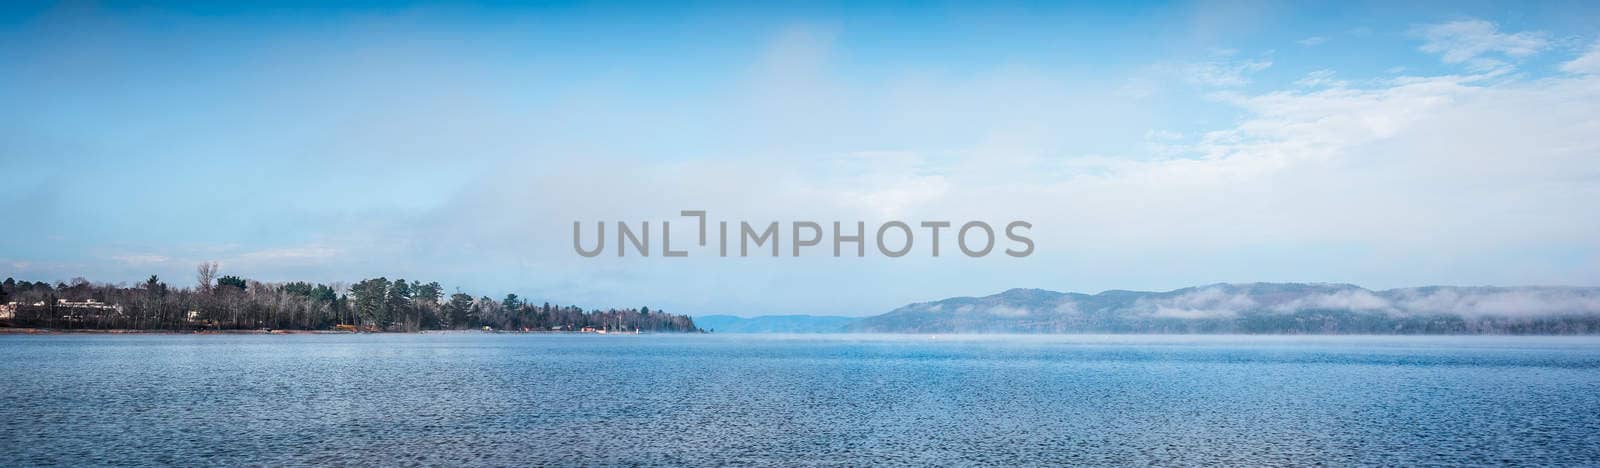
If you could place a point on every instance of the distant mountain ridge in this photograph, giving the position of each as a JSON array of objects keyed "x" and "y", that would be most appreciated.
[{"x": 1311, "y": 308}]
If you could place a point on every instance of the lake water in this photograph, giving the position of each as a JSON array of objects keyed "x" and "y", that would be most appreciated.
[{"x": 481, "y": 399}]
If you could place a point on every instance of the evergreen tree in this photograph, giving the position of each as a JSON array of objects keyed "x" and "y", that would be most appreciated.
[
  {"x": 459, "y": 310},
  {"x": 232, "y": 281}
]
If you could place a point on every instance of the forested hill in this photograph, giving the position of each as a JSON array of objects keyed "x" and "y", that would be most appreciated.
[
  {"x": 1291, "y": 308},
  {"x": 230, "y": 302}
]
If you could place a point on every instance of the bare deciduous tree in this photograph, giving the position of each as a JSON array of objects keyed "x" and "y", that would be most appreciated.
[{"x": 205, "y": 275}]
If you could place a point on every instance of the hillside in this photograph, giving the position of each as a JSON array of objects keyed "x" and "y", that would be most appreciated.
[{"x": 1257, "y": 308}]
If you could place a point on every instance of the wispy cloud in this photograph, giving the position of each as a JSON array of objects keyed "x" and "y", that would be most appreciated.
[
  {"x": 1473, "y": 41},
  {"x": 289, "y": 254},
  {"x": 1221, "y": 73},
  {"x": 1586, "y": 64},
  {"x": 1007, "y": 311},
  {"x": 1203, "y": 303},
  {"x": 1506, "y": 302},
  {"x": 141, "y": 259},
  {"x": 1496, "y": 302},
  {"x": 1323, "y": 77},
  {"x": 1312, "y": 41}
]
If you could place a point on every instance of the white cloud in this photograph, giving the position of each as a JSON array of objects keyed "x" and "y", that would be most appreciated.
[
  {"x": 1586, "y": 64},
  {"x": 1192, "y": 314},
  {"x": 284, "y": 257},
  {"x": 1007, "y": 311},
  {"x": 882, "y": 184},
  {"x": 1162, "y": 135},
  {"x": 1221, "y": 73},
  {"x": 1208, "y": 302},
  {"x": 1422, "y": 168},
  {"x": 1410, "y": 180},
  {"x": 1356, "y": 299},
  {"x": 1468, "y": 40},
  {"x": 1215, "y": 302},
  {"x": 1497, "y": 302},
  {"x": 141, "y": 259},
  {"x": 1312, "y": 41},
  {"x": 1436, "y": 170},
  {"x": 1220, "y": 68},
  {"x": 1319, "y": 78}
]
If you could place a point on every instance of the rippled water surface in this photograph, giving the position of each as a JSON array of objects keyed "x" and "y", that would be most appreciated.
[{"x": 480, "y": 399}]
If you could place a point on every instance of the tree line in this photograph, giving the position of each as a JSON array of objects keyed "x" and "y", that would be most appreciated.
[{"x": 235, "y": 303}]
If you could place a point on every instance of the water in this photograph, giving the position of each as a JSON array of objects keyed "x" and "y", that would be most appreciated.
[{"x": 476, "y": 399}]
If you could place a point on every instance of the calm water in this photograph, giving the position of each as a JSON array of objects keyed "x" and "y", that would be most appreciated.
[{"x": 474, "y": 399}]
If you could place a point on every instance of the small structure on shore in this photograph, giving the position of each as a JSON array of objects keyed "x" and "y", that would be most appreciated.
[{"x": 87, "y": 304}]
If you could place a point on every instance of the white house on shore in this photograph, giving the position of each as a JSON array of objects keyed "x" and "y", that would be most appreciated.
[{"x": 87, "y": 304}]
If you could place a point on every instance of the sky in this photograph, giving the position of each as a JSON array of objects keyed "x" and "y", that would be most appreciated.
[{"x": 1152, "y": 146}]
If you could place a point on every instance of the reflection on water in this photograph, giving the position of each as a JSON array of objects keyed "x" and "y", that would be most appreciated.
[{"x": 784, "y": 400}]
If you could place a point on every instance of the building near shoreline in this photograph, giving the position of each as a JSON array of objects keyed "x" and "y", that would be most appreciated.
[
  {"x": 62, "y": 312},
  {"x": 86, "y": 304}
]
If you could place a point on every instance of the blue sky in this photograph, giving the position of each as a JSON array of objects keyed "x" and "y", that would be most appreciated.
[{"x": 1153, "y": 145}]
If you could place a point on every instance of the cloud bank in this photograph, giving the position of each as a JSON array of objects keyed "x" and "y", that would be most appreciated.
[{"x": 440, "y": 162}]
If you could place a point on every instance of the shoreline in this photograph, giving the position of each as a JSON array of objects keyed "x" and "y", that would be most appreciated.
[{"x": 126, "y": 331}]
